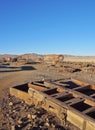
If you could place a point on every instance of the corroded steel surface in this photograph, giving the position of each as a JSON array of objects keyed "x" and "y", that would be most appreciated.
[{"x": 53, "y": 59}]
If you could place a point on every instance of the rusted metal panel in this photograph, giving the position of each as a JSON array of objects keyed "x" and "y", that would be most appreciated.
[{"x": 53, "y": 59}]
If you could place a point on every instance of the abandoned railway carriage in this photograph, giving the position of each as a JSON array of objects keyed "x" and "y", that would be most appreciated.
[
  {"x": 53, "y": 59},
  {"x": 71, "y": 100}
]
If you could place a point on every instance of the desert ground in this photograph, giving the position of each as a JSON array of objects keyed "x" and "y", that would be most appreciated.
[{"x": 13, "y": 75}]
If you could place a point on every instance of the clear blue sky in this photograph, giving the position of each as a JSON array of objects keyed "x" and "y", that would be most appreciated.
[{"x": 47, "y": 26}]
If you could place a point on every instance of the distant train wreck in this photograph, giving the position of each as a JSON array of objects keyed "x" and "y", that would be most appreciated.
[
  {"x": 71, "y": 100},
  {"x": 53, "y": 59}
]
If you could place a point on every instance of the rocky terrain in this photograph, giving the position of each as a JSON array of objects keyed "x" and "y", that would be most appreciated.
[{"x": 14, "y": 113}]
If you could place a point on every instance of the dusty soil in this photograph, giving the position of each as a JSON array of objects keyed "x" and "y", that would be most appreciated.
[{"x": 11, "y": 76}]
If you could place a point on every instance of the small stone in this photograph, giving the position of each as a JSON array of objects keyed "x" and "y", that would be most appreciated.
[
  {"x": 40, "y": 126},
  {"x": 47, "y": 119},
  {"x": 19, "y": 122},
  {"x": 34, "y": 116},
  {"x": 29, "y": 116},
  {"x": 18, "y": 126},
  {"x": 53, "y": 125},
  {"x": 10, "y": 104},
  {"x": 14, "y": 111},
  {"x": 7, "y": 115},
  {"x": 47, "y": 124}
]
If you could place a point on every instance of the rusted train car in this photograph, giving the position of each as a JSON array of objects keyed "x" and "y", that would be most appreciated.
[{"x": 53, "y": 59}]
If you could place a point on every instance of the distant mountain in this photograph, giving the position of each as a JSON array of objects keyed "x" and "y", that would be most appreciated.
[
  {"x": 75, "y": 56},
  {"x": 8, "y": 55}
]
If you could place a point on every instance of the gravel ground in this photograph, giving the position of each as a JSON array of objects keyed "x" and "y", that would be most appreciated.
[{"x": 15, "y": 114}]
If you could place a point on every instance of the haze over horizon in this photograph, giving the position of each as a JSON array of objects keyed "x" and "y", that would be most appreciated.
[{"x": 47, "y": 27}]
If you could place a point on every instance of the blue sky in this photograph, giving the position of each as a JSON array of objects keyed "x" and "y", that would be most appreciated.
[{"x": 47, "y": 26}]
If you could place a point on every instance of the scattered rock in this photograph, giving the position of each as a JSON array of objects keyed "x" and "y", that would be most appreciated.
[
  {"x": 34, "y": 116},
  {"x": 47, "y": 124},
  {"x": 29, "y": 116},
  {"x": 10, "y": 104},
  {"x": 17, "y": 115},
  {"x": 19, "y": 122}
]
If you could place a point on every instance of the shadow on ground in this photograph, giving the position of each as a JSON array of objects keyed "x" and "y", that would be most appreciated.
[{"x": 15, "y": 69}]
